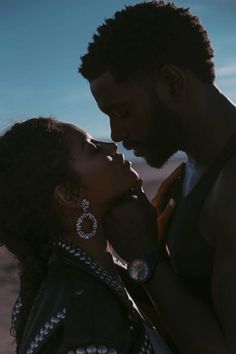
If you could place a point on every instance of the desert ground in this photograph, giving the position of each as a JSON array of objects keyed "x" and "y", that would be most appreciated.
[{"x": 9, "y": 285}]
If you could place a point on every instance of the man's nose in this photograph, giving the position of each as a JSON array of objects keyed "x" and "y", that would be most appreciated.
[{"x": 117, "y": 130}]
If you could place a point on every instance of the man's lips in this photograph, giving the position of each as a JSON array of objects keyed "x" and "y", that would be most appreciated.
[
  {"x": 136, "y": 147},
  {"x": 131, "y": 145},
  {"x": 138, "y": 153},
  {"x": 128, "y": 146}
]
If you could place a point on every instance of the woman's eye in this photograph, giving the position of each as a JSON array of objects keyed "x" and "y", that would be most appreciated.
[
  {"x": 98, "y": 147},
  {"x": 95, "y": 148}
]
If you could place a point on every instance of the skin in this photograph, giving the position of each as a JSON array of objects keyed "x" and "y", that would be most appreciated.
[
  {"x": 102, "y": 176},
  {"x": 206, "y": 119},
  {"x": 132, "y": 108}
]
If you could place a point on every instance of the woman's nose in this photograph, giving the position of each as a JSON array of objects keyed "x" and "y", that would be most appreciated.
[
  {"x": 112, "y": 148},
  {"x": 109, "y": 148}
]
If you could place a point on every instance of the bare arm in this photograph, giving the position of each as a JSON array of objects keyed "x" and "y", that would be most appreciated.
[
  {"x": 195, "y": 326},
  {"x": 191, "y": 322}
]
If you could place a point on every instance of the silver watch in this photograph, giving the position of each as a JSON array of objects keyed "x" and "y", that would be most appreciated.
[{"x": 140, "y": 269}]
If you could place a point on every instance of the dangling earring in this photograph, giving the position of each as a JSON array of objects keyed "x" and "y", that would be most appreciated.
[{"x": 86, "y": 214}]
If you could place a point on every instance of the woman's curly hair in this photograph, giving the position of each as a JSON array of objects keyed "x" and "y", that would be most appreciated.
[
  {"x": 142, "y": 38},
  {"x": 33, "y": 160}
]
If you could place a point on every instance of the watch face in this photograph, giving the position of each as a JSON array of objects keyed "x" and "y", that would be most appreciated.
[{"x": 138, "y": 270}]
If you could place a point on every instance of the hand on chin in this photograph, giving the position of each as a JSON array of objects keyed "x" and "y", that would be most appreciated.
[{"x": 131, "y": 225}]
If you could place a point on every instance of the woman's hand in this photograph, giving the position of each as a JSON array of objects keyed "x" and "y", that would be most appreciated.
[{"x": 164, "y": 202}]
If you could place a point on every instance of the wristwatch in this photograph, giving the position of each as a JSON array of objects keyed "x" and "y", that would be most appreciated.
[{"x": 140, "y": 269}]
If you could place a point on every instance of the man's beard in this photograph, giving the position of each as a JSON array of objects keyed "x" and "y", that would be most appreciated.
[{"x": 165, "y": 134}]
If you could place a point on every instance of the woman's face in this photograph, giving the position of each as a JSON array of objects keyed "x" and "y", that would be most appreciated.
[{"x": 103, "y": 173}]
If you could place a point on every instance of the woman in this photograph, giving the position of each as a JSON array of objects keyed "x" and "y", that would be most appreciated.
[{"x": 56, "y": 186}]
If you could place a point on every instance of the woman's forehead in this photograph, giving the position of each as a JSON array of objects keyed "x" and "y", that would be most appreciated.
[{"x": 74, "y": 130}]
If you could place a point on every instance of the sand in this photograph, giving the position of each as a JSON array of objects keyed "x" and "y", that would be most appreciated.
[{"x": 8, "y": 273}]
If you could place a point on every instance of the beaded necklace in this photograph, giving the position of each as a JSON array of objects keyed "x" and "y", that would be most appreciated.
[
  {"x": 114, "y": 285},
  {"x": 67, "y": 248}
]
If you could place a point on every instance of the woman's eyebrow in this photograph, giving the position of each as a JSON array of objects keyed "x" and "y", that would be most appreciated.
[{"x": 85, "y": 140}]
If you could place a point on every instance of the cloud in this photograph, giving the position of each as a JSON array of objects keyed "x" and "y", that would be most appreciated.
[
  {"x": 229, "y": 81},
  {"x": 226, "y": 70},
  {"x": 228, "y": 2},
  {"x": 78, "y": 97}
]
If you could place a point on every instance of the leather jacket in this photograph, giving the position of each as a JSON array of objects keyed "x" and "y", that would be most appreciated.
[{"x": 80, "y": 308}]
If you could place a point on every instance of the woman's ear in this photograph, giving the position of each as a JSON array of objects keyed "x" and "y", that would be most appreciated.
[{"x": 67, "y": 196}]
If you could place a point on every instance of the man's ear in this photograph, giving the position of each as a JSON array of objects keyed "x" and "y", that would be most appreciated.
[
  {"x": 172, "y": 83},
  {"x": 67, "y": 196}
]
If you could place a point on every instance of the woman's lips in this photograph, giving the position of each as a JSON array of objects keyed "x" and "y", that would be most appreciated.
[
  {"x": 120, "y": 158},
  {"x": 127, "y": 163}
]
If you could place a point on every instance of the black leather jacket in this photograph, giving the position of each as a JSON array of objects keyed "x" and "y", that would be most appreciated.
[{"x": 81, "y": 309}]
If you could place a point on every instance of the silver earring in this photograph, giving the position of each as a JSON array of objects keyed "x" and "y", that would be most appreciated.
[{"x": 86, "y": 214}]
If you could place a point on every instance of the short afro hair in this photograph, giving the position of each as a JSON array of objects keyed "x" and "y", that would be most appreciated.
[{"x": 140, "y": 39}]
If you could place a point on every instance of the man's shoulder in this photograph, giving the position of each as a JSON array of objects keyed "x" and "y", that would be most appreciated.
[
  {"x": 224, "y": 188},
  {"x": 219, "y": 210}
]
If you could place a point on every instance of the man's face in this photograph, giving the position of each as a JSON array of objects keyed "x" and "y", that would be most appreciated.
[{"x": 138, "y": 118}]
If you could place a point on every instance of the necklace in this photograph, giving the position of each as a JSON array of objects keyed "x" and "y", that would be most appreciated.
[
  {"x": 96, "y": 270},
  {"x": 115, "y": 286},
  {"x": 88, "y": 264}
]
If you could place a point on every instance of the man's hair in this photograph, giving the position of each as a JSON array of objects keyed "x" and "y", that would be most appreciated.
[{"x": 140, "y": 39}]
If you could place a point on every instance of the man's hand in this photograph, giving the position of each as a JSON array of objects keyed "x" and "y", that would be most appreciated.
[
  {"x": 164, "y": 202},
  {"x": 131, "y": 226}
]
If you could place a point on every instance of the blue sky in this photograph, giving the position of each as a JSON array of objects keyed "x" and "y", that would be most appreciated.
[{"x": 40, "y": 47}]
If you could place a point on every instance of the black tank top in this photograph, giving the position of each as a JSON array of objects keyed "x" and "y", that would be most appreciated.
[{"x": 191, "y": 255}]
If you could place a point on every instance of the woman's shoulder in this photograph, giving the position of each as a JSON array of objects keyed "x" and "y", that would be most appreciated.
[{"x": 73, "y": 309}]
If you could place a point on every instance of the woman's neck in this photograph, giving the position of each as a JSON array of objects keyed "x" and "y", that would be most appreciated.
[{"x": 96, "y": 247}]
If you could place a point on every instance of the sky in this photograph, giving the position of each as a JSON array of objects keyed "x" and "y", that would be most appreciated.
[{"x": 41, "y": 43}]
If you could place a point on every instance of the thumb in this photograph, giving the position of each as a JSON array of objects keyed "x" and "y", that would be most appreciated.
[{"x": 169, "y": 209}]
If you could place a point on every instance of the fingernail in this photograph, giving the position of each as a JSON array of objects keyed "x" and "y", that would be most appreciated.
[{"x": 172, "y": 202}]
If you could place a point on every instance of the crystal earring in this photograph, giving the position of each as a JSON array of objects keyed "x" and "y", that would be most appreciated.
[{"x": 91, "y": 217}]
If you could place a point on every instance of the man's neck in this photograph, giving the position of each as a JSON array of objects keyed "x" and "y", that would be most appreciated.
[{"x": 211, "y": 126}]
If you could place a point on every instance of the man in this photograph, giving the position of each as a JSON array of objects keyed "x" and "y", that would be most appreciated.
[{"x": 150, "y": 70}]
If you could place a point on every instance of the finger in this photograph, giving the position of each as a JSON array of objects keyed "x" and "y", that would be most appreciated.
[
  {"x": 176, "y": 174},
  {"x": 165, "y": 186},
  {"x": 172, "y": 178},
  {"x": 126, "y": 205},
  {"x": 141, "y": 196},
  {"x": 167, "y": 213},
  {"x": 144, "y": 200},
  {"x": 164, "y": 218},
  {"x": 131, "y": 194}
]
